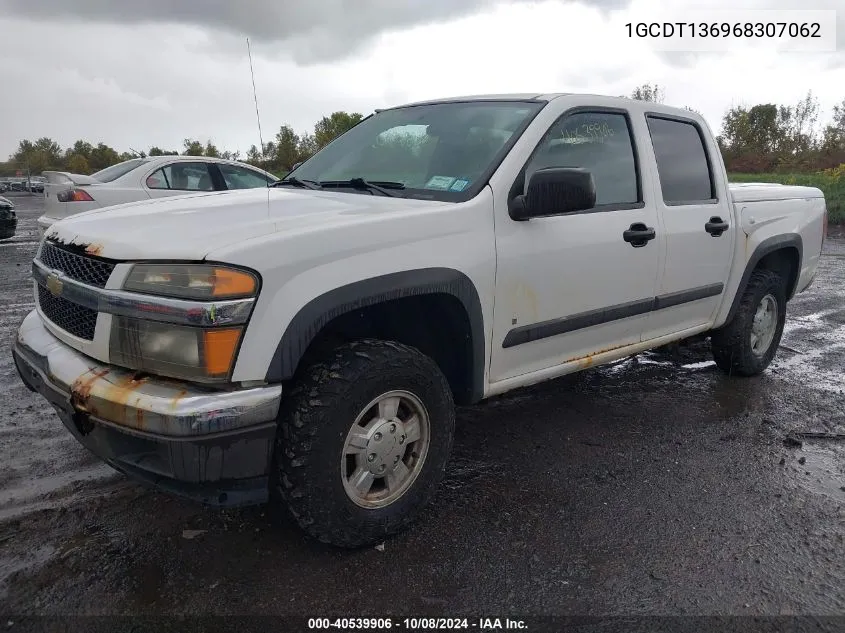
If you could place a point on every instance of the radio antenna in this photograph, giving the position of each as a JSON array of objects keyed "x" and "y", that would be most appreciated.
[{"x": 255, "y": 96}]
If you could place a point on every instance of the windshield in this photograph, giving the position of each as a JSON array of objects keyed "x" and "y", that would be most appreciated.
[
  {"x": 443, "y": 151},
  {"x": 116, "y": 171}
]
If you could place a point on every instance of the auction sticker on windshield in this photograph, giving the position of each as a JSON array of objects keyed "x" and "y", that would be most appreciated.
[
  {"x": 442, "y": 183},
  {"x": 459, "y": 185}
]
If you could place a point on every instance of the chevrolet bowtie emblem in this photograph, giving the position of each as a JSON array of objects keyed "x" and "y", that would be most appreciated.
[{"x": 54, "y": 284}]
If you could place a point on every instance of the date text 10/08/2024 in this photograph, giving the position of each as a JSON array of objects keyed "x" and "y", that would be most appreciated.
[{"x": 416, "y": 624}]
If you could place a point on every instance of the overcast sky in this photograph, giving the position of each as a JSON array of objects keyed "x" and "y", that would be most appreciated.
[{"x": 153, "y": 72}]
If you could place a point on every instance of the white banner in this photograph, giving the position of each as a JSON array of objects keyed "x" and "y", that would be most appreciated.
[{"x": 720, "y": 30}]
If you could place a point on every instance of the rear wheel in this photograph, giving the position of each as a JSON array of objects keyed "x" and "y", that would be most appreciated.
[
  {"x": 363, "y": 442},
  {"x": 747, "y": 345}
]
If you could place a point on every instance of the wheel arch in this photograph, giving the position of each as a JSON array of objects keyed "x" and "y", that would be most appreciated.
[
  {"x": 781, "y": 253},
  {"x": 308, "y": 323}
]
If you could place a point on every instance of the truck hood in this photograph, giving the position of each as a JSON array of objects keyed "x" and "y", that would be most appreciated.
[{"x": 189, "y": 227}]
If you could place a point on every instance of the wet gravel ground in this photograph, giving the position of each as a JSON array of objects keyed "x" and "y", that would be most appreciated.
[{"x": 653, "y": 486}]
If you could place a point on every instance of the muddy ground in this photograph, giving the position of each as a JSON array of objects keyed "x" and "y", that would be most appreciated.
[{"x": 653, "y": 486}]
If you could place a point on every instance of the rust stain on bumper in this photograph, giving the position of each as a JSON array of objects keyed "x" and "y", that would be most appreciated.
[
  {"x": 80, "y": 390},
  {"x": 112, "y": 397}
]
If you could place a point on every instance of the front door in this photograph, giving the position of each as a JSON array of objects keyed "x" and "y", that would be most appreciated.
[{"x": 570, "y": 286}]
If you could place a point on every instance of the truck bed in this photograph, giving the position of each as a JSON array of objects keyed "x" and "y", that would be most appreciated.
[{"x": 763, "y": 191}]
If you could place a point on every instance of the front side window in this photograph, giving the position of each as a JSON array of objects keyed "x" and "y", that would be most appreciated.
[
  {"x": 682, "y": 164},
  {"x": 182, "y": 177},
  {"x": 440, "y": 151},
  {"x": 599, "y": 142},
  {"x": 241, "y": 177}
]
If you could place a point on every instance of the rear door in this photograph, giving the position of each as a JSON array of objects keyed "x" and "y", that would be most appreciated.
[{"x": 695, "y": 212}]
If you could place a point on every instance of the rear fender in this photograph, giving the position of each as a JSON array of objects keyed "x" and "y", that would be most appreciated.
[{"x": 766, "y": 247}]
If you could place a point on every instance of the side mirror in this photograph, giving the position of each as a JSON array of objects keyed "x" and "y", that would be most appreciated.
[{"x": 555, "y": 190}]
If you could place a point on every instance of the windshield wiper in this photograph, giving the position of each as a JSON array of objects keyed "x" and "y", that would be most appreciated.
[
  {"x": 296, "y": 182},
  {"x": 382, "y": 186}
]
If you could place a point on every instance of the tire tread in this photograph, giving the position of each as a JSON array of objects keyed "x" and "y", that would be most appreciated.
[
  {"x": 306, "y": 409},
  {"x": 731, "y": 345}
]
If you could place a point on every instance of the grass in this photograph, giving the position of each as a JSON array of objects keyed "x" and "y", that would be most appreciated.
[{"x": 831, "y": 182}]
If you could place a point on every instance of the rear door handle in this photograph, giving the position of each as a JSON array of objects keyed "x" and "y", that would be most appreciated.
[
  {"x": 716, "y": 226},
  {"x": 639, "y": 234}
]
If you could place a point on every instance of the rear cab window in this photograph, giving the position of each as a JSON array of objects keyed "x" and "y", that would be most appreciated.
[
  {"x": 114, "y": 172},
  {"x": 683, "y": 164}
]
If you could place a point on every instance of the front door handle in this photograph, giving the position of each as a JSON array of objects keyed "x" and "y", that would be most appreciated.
[
  {"x": 716, "y": 226},
  {"x": 639, "y": 234}
]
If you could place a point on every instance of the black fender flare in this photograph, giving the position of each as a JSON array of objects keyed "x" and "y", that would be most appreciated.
[
  {"x": 767, "y": 246},
  {"x": 315, "y": 314}
]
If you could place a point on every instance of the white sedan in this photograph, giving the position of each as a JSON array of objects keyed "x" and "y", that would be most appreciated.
[{"x": 138, "y": 179}]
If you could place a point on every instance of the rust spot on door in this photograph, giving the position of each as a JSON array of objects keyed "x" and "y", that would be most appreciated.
[{"x": 587, "y": 360}]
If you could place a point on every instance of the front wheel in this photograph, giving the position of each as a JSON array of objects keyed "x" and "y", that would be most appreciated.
[
  {"x": 747, "y": 345},
  {"x": 363, "y": 442}
]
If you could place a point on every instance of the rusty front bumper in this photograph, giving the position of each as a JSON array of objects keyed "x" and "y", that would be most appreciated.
[{"x": 214, "y": 446}]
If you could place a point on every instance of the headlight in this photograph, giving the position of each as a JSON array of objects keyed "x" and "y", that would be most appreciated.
[
  {"x": 203, "y": 354},
  {"x": 191, "y": 281},
  {"x": 178, "y": 351}
]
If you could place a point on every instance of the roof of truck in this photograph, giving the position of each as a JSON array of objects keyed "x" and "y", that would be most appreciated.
[
  {"x": 519, "y": 96},
  {"x": 604, "y": 100}
]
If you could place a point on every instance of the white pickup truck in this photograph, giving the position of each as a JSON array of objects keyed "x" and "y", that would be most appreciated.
[{"x": 306, "y": 344}]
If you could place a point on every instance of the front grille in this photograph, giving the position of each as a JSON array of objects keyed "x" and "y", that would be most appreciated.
[
  {"x": 88, "y": 270},
  {"x": 72, "y": 318}
]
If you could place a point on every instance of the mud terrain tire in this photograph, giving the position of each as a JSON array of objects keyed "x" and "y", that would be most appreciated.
[
  {"x": 733, "y": 346},
  {"x": 318, "y": 417}
]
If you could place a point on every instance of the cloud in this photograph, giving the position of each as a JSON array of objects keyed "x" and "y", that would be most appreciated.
[
  {"x": 312, "y": 30},
  {"x": 151, "y": 79}
]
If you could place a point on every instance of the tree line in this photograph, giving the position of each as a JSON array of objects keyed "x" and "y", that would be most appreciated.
[
  {"x": 278, "y": 156},
  {"x": 763, "y": 138},
  {"x": 771, "y": 138}
]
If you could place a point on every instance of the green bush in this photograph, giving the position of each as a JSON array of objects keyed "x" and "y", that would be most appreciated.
[{"x": 831, "y": 182}]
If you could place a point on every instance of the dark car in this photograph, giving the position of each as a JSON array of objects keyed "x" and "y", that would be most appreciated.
[{"x": 8, "y": 219}]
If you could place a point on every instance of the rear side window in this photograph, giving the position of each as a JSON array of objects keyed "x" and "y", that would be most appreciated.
[
  {"x": 182, "y": 177},
  {"x": 682, "y": 165},
  {"x": 116, "y": 171},
  {"x": 241, "y": 177}
]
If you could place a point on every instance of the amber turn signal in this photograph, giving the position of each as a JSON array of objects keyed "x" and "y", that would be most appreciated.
[
  {"x": 229, "y": 282},
  {"x": 219, "y": 347}
]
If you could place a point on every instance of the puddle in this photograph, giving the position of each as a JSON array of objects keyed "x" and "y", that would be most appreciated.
[
  {"x": 823, "y": 470},
  {"x": 809, "y": 365},
  {"x": 701, "y": 365},
  {"x": 809, "y": 322},
  {"x": 56, "y": 491}
]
